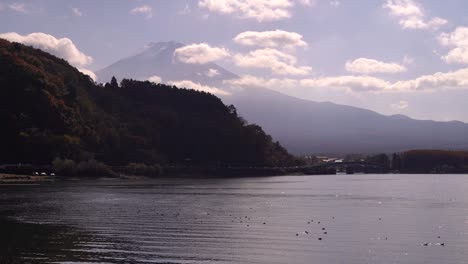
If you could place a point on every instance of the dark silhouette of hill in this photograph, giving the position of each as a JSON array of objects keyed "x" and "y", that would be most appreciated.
[
  {"x": 302, "y": 126},
  {"x": 49, "y": 109}
]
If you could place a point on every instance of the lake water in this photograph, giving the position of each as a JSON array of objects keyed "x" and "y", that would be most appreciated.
[{"x": 290, "y": 219}]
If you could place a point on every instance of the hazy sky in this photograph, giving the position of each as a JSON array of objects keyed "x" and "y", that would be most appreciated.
[{"x": 392, "y": 56}]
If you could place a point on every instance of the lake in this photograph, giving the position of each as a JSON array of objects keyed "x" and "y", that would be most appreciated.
[{"x": 288, "y": 219}]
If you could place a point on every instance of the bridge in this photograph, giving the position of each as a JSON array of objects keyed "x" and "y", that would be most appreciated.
[{"x": 347, "y": 166}]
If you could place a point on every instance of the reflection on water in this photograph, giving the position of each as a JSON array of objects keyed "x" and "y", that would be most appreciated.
[{"x": 296, "y": 219}]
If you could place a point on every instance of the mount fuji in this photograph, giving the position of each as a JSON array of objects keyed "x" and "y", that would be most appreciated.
[{"x": 302, "y": 126}]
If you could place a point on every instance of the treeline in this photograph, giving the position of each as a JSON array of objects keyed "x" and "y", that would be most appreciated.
[
  {"x": 422, "y": 161},
  {"x": 50, "y": 111},
  {"x": 432, "y": 161}
]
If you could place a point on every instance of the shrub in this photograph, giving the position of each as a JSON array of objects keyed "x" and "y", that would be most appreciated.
[
  {"x": 142, "y": 169},
  {"x": 94, "y": 168},
  {"x": 64, "y": 167}
]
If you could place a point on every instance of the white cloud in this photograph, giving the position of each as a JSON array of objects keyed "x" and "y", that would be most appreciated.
[
  {"x": 278, "y": 62},
  {"x": 200, "y": 53},
  {"x": 187, "y": 10},
  {"x": 155, "y": 79},
  {"x": 335, "y": 3},
  {"x": 306, "y": 2},
  {"x": 212, "y": 73},
  {"x": 441, "y": 80},
  {"x": 354, "y": 83},
  {"x": 261, "y": 10},
  {"x": 368, "y": 66},
  {"x": 436, "y": 22},
  {"x": 351, "y": 83},
  {"x": 144, "y": 10},
  {"x": 18, "y": 7},
  {"x": 412, "y": 15},
  {"x": 63, "y": 47},
  {"x": 407, "y": 60},
  {"x": 437, "y": 81},
  {"x": 77, "y": 12},
  {"x": 271, "y": 39},
  {"x": 419, "y": 23},
  {"x": 89, "y": 73},
  {"x": 458, "y": 39},
  {"x": 199, "y": 87},
  {"x": 253, "y": 81},
  {"x": 401, "y": 105},
  {"x": 404, "y": 8}
]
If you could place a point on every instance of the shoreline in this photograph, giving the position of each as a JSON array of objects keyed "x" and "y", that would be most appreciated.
[
  {"x": 21, "y": 179},
  {"x": 10, "y": 179}
]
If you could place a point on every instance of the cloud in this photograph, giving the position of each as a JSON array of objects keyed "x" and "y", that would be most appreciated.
[
  {"x": 271, "y": 39},
  {"x": 335, "y": 3},
  {"x": 404, "y": 8},
  {"x": 18, "y": 7},
  {"x": 278, "y": 62},
  {"x": 369, "y": 66},
  {"x": 77, "y": 12},
  {"x": 260, "y": 10},
  {"x": 353, "y": 83},
  {"x": 441, "y": 80},
  {"x": 253, "y": 81},
  {"x": 144, "y": 10},
  {"x": 419, "y": 23},
  {"x": 306, "y": 2},
  {"x": 63, "y": 47},
  {"x": 200, "y": 53},
  {"x": 199, "y": 87},
  {"x": 155, "y": 79},
  {"x": 401, "y": 105},
  {"x": 89, "y": 73},
  {"x": 212, "y": 73},
  {"x": 187, "y": 10},
  {"x": 437, "y": 81},
  {"x": 458, "y": 39},
  {"x": 407, "y": 60},
  {"x": 412, "y": 15}
]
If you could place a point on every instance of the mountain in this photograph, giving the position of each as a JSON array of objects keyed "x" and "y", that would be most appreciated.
[
  {"x": 157, "y": 59},
  {"x": 51, "y": 110},
  {"x": 302, "y": 126}
]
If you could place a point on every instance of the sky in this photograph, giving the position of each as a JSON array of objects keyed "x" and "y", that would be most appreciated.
[{"x": 405, "y": 57}]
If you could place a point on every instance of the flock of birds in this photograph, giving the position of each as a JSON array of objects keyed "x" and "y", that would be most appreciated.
[{"x": 324, "y": 231}]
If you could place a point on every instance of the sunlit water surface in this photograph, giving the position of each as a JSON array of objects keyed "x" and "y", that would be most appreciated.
[{"x": 290, "y": 219}]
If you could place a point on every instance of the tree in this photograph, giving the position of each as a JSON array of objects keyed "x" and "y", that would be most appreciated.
[
  {"x": 379, "y": 159},
  {"x": 114, "y": 83},
  {"x": 396, "y": 162}
]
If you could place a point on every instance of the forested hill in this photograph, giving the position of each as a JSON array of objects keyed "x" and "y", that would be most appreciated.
[{"x": 49, "y": 109}]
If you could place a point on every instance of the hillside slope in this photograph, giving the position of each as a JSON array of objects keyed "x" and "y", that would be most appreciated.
[
  {"x": 49, "y": 109},
  {"x": 304, "y": 126}
]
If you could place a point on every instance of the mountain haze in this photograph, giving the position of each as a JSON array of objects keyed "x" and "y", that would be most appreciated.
[
  {"x": 305, "y": 126},
  {"x": 302, "y": 126}
]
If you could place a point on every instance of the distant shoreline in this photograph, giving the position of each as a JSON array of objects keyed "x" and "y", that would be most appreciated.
[{"x": 19, "y": 179}]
